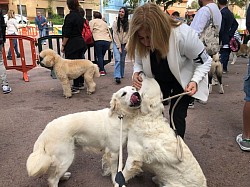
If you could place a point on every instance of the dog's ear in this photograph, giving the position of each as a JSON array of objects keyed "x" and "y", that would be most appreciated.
[{"x": 113, "y": 103}]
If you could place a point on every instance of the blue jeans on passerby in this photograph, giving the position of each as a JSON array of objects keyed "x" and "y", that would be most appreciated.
[
  {"x": 119, "y": 61},
  {"x": 42, "y": 33},
  {"x": 101, "y": 47},
  {"x": 224, "y": 57},
  {"x": 247, "y": 83},
  {"x": 15, "y": 48}
]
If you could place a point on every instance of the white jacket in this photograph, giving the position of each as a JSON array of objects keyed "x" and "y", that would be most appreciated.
[{"x": 184, "y": 47}]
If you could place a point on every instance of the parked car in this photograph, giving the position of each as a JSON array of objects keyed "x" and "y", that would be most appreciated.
[{"x": 18, "y": 18}]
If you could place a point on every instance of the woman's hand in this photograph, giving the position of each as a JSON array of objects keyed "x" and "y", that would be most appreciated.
[
  {"x": 191, "y": 87},
  {"x": 137, "y": 80}
]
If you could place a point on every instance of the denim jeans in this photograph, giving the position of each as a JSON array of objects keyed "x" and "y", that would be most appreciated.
[
  {"x": 101, "y": 47},
  {"x": 3, "y": 75},
  {"x": 247, "y": 83},
  {"x": 15, "y": 47},
  {"x": 42, "y": 33},
  {"x": 119, "y": 61},
  {"x": 224, "y": 57}
]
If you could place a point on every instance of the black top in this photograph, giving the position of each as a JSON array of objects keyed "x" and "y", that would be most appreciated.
[
  {"x": 163, "y": 75},
  {"x": 72, "y": 29}
]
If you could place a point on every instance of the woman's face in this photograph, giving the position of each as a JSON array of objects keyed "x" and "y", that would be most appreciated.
[
  {"x": 144, "y": 37},
  {"x": 121, "y": 13}
]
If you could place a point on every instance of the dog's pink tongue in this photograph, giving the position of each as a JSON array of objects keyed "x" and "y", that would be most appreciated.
[{"x": 134, "y": 98}]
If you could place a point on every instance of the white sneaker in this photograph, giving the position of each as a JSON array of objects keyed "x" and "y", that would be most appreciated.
[
  {"x": 243, "y": 143},
  {"x": 6, "y": 89}
]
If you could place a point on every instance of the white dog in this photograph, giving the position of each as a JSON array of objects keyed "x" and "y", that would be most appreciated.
[
  {"x": 67, "y": 70},
  {"x": 54, "y": 150},
  {"x": 152, "y": 145}
]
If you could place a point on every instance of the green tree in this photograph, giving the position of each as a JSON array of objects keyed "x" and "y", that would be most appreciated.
[{"x": 167, "y": 3}]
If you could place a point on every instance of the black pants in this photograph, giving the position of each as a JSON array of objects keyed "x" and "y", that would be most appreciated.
[
  {"x": 180, "y": 111},
  {"x": 76, "y": 55}
]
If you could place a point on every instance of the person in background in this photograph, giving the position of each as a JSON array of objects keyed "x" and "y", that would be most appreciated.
[
  {"x": 41, "y": 23},
  {"x": 176, "y": 15},
  {"x": 4, "y": 82},
  {"x": 201, "y": 22},
  {"x": 73, "y": 45},
  {"x": 190, "y": 19},
  {"x": 228, "y": 27},
  {"x": 243, "y": 139},
  {"x": 102, "y": 39},
  {"x": 165, "y": 49},
  {"x": 120, "y": 35},
  {"x": 12, "y": 29}
]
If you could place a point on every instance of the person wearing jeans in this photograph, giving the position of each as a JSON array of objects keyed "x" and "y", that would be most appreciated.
[
  {"x": 41, "y": 23},
  {"x": 102, "y": 39},
  {"x": 120, "y": 35},
  {"x": 12, "y": 29},
  {"x": 119, "y": 62},
  {"x": 243, "y": 139},
  {"x": 5, "y": 86}
]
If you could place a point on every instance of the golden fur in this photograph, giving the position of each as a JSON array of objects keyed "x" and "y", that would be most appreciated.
[
  {"x": 244, "y": 52},
  {"x": 67, "y": 70},
  {"x": 216, "y": 70}
]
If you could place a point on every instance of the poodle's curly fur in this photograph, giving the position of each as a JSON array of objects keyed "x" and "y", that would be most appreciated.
[{"x": 67, "y": 70}]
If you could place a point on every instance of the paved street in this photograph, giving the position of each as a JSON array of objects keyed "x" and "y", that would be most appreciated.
[{"x": 211, "y": 129}]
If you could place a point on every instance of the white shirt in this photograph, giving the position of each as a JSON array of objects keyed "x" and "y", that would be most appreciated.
[
  {"x": 202, "y": 18},
  {"x": 12, "y": 26}
]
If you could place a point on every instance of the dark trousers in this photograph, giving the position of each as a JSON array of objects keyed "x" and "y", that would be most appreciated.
[
  {"x": 101, "y": 47},
  {"x": 224, "y": 57},
  {"x": 180, "y": 110},
  {"x": 76, "y": 55}
]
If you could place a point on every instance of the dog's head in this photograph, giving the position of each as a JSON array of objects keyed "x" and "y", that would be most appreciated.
[
  {"x": 49, "y": 57},
  {"x": 125, "y": 101},
  {"x": 151, "y": 97}
]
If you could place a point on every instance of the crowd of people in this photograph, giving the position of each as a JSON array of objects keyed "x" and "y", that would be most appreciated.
[{"x": 162, "y": 46}]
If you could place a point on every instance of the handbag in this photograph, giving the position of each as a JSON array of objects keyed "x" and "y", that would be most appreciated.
[{"x": 210, "y": 36}]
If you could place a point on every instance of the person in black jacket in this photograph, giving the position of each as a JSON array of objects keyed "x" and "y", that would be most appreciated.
[
  {"x": 73, "y": 45},
  {"x": 243, "y": 139},
  {"x": 228, "y": 27},
  {"x": 5, "y": 86}
]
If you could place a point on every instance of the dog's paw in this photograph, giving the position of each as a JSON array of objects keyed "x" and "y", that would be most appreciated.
[
  {"x": 221, "y": 89},
  {"x": 66, "y": 176},
  {"x": 89, "y": 93}
]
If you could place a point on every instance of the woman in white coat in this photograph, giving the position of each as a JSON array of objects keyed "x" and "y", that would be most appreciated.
[{"x": 171, "y": 52}]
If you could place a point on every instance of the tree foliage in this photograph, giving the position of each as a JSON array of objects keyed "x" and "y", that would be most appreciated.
[{"x": 240, "y": 3}]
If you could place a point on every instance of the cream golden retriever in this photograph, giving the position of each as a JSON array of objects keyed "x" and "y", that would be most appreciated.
[
  {"x": 54, "y": 150},
  {"x": 152, "y": 145},
  {"x": 67, "y": 70}
]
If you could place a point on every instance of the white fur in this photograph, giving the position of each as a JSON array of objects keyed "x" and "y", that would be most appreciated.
[
  {"x": 152, "y": 145},
  {"x": 54, "y": 149}
]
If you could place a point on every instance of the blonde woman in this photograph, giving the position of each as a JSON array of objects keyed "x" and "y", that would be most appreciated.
[
  {"x": 12, "y": 29},
  {"x": 172, "y": 53}
]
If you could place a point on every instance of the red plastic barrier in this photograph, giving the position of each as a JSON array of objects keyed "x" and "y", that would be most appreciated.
[{"x": 21, "y": 65}]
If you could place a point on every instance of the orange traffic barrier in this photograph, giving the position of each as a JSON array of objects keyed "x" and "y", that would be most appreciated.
[
  {"x": 26, "y": 62},
  {"x": 29, "y": 31}
]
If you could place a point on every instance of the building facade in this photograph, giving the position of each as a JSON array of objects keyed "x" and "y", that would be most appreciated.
[{"x": 46, "y": 7}]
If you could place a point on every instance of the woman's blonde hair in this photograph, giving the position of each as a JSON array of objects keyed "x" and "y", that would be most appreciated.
[
  {"x": 159, "y": 24},
  {"x": 11, "y": 14}
]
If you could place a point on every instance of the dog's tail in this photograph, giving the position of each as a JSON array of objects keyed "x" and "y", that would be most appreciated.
[
  {"x": 38, "y": 162},
  {"x": 97, "y": 73}
]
